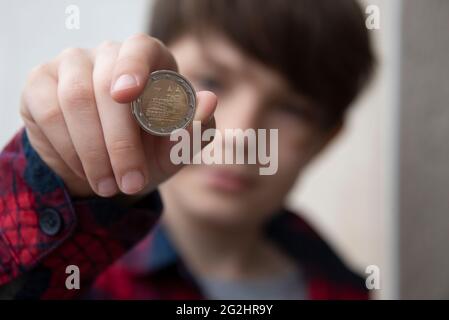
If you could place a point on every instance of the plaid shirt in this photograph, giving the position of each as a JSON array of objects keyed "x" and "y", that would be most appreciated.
[{"x": 121, "y": 252}]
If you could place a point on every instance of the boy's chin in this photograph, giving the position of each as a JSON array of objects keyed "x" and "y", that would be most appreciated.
[{"x": 226, "y": 213}]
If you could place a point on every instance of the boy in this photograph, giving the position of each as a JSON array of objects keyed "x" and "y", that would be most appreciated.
[{"x": 85, "y": 186}]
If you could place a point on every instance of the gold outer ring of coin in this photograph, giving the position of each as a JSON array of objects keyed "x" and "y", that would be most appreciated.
[{"x": 166, "y": 111}]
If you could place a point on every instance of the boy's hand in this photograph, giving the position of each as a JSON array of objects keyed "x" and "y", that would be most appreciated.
[{"x": 78, "y": 119}]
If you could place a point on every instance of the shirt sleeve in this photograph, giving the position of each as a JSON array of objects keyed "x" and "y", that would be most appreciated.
[{"x": 45, "y": 234}]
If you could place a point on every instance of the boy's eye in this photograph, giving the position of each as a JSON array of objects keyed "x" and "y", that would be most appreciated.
[
  {"x": 209, "y": 83},
  {"x": 295, "y": 110}
]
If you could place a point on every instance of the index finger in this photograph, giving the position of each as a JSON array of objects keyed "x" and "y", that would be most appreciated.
[{"x": 139, "y": 55}]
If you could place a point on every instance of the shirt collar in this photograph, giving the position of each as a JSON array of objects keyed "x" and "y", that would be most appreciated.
[
  {"x": 153, "y": 253},
  {"x": 161, "y": 252},
  {"x": 285, "y": 229}
]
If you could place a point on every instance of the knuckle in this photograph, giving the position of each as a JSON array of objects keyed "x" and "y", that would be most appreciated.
[
  {"x": 101, "y": 78},
  {"x": 139, "y": 58},
  {"x": 72, "y": 52},
  {"x": 36, "y": 106},
  {"x": 49, "y": 115},
  {"x": 156, "y": 47},
  {"x": 108, "y": 45},
  {"x": 24, "y": 112},
  {"x": 92, "y": 155},
  {"x": 78, "y": 93},
  {"x": 130, "y": 64},
  {"x": 102, "y": 83},
  {"x": 140, "y": 36},
  {"x": 159, "y": 45},
  {"x": 155, "y": 44},
  {"x": 24, "y": 97},
  {"x": 38, "y": 71},
  {"x": 121, "y": 147}
]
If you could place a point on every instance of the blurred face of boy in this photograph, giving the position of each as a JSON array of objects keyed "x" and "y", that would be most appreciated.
[{"x": 250, "y": 95}]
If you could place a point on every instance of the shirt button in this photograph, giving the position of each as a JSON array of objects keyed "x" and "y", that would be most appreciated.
[{"x": 50, "y": 221}]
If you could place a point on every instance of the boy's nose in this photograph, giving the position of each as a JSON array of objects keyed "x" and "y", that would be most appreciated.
[{"x": 243, "y": 112}]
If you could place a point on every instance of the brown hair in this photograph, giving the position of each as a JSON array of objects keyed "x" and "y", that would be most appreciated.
[{"x": 321, "y": 47}]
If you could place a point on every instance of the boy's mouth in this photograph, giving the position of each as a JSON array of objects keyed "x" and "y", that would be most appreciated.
[{"x": 228, "y": 180}]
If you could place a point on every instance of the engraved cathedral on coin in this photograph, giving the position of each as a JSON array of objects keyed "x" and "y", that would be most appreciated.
[{"x": 168, "y": 103}]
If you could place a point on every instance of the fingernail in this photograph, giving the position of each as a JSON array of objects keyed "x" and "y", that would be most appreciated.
[
  {"x": 132, "y": 182},
  {"x": 125, "y": 81},
  {"x": 107, "y": 187}
]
